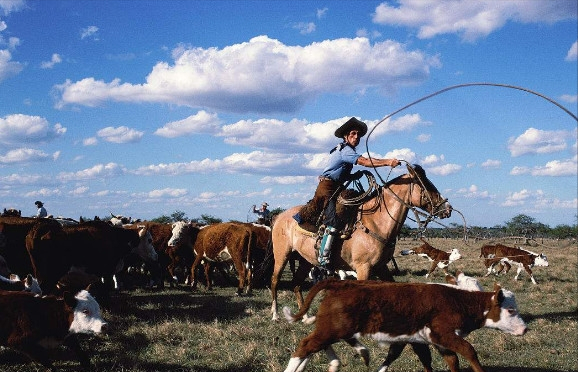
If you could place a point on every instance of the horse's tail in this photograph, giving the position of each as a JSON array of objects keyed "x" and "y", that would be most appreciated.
[{"x": 326, "y": 284}]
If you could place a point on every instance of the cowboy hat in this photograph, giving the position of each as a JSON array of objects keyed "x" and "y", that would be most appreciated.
[
  {"x": 350, "y": 125},
  {"x": 265, "y": 204},
  {"x": 38, "y": 203}
]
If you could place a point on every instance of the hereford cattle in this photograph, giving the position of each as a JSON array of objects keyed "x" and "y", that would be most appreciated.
[
  {"x": 262, "y": 256},
  {"x": 13, "y": 232},
  {"x": 30, "y": 324},
  {"x": 4, "y": 269},
  {"x": 225, "y": 243},
  {"x": 437, "y": 257},
  {"x": 14, "y": 283},
  {"x": 400, "y": 313},
  {"x": 463, "y": 281},
  {"x": 504, "y": 256},
  {"x": 180, "y": 249},
  {"x": 100, "y": 249},
  {"x": 11, "y": 212}
]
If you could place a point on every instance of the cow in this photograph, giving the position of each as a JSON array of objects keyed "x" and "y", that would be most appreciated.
[
  {"x": 504, "y": 256},
  {"x": 262, "y": 256},
  {"x": 30, "y": 324},
  {"x": 13, "y": 232},
  {"x": 463, "y": 281},
  {"x": 180, "y": 248},
  {"x": 100, "y": 249},
  {"x": 76, "y": 279},
  {"x": 437, "y": 257},
  {"x": 420, "y": 313},
  {"x": 225, "y": 243},
  {"x": 14, "y": 283},
  {"x": 4, "y": 269},
  {"x": 11, "y": 212}
]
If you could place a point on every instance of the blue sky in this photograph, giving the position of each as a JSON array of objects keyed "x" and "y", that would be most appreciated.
[{"x": 143, "y": 108}]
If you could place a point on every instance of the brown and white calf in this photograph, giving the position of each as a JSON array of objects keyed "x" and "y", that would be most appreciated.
[
  {"x": 396, "y": 313},
  {"x": 14, "y": 283},
  {"x": 463, "y": 281},
  {"x": 32, "y": 324},
  {"x": 437, "y": 257},
  {"x": 504, "y": 256}
]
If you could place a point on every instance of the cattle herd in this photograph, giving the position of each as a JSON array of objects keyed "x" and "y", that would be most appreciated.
[{"x": 69, "y": 269}]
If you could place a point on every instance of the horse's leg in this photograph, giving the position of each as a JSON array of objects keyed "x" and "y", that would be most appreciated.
[{"x": 277, "y": 270}]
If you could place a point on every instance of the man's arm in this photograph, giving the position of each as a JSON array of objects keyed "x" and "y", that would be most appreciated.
[{"x": 374, "y": 162}]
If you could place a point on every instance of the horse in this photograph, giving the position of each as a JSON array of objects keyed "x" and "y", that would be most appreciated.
[{"x": 380, "y": 217}]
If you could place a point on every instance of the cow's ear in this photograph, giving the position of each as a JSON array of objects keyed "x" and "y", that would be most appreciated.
[
  {"x": 497, "y": 287},
  {"x": 69, "y": 299}
]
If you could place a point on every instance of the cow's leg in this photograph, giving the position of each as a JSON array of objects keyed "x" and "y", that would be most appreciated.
[
  {"x": 296, "y": 364},
  {"x": 334, "y": 362},
  {"x": 360, "y": 349},
  {"x": 392, "y": 354},
  {"x": 72, "y": 342},
  {"x": 447, "y": 339},
  {"x": 207, "y": 265},
  {"x": 432, "y": 268},
  {"x": 424, "y": 354},
  {"x": 194, "y": 266},
  {"x": 242, "y": 276},
  {"x": 450, "y": 358}
]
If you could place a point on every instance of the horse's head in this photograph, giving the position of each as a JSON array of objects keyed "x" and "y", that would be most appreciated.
[{"x": 428, "y": 198}]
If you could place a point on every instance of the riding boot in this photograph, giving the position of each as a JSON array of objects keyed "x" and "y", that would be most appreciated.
[{"x": 325, "y": 247}]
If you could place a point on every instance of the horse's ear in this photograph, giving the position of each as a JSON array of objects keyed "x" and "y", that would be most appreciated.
[
  {"x": 415, "y": 170},
  {"x": 410, "y": 170}
]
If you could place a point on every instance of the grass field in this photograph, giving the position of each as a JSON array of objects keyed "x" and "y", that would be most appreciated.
[{"x": 212, "y": 331}]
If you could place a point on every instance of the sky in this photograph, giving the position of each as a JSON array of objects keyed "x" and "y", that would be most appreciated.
[{"x": 144, "y": 108}]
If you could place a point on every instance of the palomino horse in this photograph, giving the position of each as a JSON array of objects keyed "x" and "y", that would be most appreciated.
[{"x": 370, "y": 248}]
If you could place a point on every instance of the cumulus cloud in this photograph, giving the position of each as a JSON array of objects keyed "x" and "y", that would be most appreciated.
[
  {"x": 321, "y": 13},
  {"x": 471, "y": 20},
  {"x": 200, "y": 123},
  {"x": 99, "y": 171},
  {"x": 446, "y": 169},
  {"x": 473, "y": 192},
  {"x": 262, "y": 75},
  {"x": 423, "y": 137},
  {"x": 23, "y": 130},
  {"x": 8, "y": 67},
  {"x": 536, "y": 141},
  {"x": 571, "y": 55},
  {"x": 9, "y": 6},
  {"x": 491, "y": 163},
  {"x": 53, "y": 61},
  {"x": 570, "y": 98},
  {"x": 167, "y": 192},
  {"x": 120, "y": 134},
  {"x": 25, "y": 155}
]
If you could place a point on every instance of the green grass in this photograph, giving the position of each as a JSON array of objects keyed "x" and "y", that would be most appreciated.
[{"x": 209, "y": 331}]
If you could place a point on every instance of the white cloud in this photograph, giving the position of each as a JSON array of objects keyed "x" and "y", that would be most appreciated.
[
  {"x": 89, "y": 31},
  {"x": 53, "y": 61},
  {"x": 23, "y": 130},
  {"x": 446, "y": 169},
  {"x": 91, "y": 141},
  {"x": 99, "y": 171},
  {"x": 286, "y": 180},
  {"x": 470, "y": 19},
  {"x": 167, "y": 192},
  {"x": 305, "y": 27},
  {"x": 569, "y": 98},
  {"x": 516, "y": 198},
  {"x": 473, "y": 192},
  {"x": 262, "y": 75},
  {"x": 321, "y": 13},
  {"x": 423, "y": 137},
  {"x": 536, "y": 141},
  {"x": 571, "y": 55},
  {"x": 24, "y": 155},
  {"x": 9, "y": 6},
  {"x": 201, "y": 122},
  {"x": 491, "y": 163},
  {"x": 8, "y": 68},
  {"x": 537, "y": 200},
  {"x": 120, "y": 134}
]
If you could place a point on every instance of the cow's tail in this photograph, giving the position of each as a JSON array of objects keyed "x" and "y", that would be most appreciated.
[{"x": 326, "y": 284}]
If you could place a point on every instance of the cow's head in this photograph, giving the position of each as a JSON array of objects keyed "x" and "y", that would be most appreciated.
[
  {"x": 503, "y": 313},
  {"x": 87, "y": 317},
  {"x": 541, "y": 260},
  {"x": 455, "y": 255},
  {"x": 178, "y": 233},
  {"x": 145, "y": 248}
]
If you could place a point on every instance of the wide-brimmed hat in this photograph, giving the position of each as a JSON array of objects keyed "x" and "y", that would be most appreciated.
[
  {"x": 265, "y": 204},
  {"x": 38, "y": 203},
  {"x": 350, "y": 125}
]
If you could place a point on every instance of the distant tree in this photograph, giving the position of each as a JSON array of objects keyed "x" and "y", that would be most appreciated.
[
  {"x": 522, "y": 225},
  {"x": 208, "y": 219},
  {"x": 179, "y": 216},
  {"x": 162, "y": 219},
  {"x": 565, "y": 232}
]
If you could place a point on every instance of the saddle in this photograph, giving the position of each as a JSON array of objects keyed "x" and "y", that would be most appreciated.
[{"x": 312, "y": 213}]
